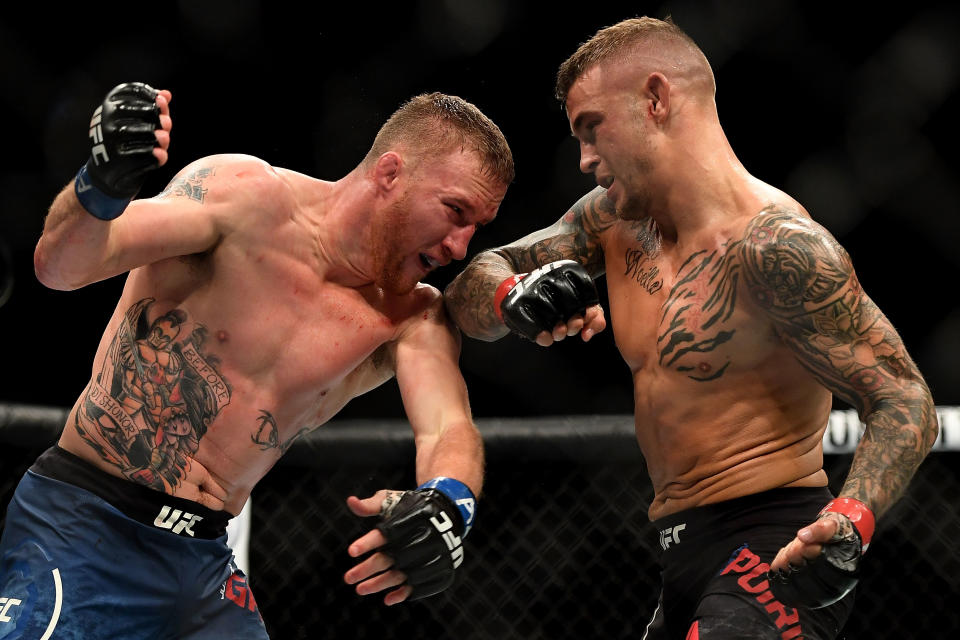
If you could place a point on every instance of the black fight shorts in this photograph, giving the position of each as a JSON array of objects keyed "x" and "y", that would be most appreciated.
[{"x": 714, "y": 561}]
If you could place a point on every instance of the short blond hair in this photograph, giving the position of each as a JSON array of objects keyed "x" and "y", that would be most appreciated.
[
  {"x": 437, "y": 122},
  {"x": 618, "y": 40}
]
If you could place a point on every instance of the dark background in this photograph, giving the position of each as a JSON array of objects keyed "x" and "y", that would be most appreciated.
[{"x": 849, "y": 109}]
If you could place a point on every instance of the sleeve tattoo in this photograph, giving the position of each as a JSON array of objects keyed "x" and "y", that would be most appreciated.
[
  {"x": 576, "y": 236},
  {"x": 804, "y": 279}
]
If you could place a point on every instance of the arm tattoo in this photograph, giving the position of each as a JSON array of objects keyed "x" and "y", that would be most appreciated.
[
  {"x": 469, "y": 298},
  {"x": 189, "y": 185},
  {"x": 576, "y": 236},
  {"x": 805, "y": 281}
]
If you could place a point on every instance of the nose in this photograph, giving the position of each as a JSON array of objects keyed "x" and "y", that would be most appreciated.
[
  {"x": 588, "y": 158},
  {"x": 457, "y": 240}
]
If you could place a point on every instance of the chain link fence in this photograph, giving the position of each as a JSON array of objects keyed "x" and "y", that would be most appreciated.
[{"x": 562, "y": 547}]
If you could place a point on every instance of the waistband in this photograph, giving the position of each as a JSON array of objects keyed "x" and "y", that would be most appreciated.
[
  {"x": 784, "y": 506},
  {"x": 153, "y": 508}
]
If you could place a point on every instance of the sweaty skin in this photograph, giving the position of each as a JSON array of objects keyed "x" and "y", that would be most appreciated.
[
  {"x": 214, "y": 362},
  {"x": 722, "y": 335},
  {"x": 737, "y": 314}
]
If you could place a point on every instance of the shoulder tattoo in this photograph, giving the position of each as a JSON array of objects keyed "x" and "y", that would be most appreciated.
[{"x": 189, "y": 184}]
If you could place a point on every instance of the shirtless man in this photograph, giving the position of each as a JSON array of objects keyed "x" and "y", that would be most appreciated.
[
  {"x": 739, "y": 317},
  {"x": 259, "y": 301}
]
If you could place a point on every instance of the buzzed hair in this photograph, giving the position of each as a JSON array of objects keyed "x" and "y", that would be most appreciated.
[
  {"x": 437, "y": 122},
  {"x": 619, "y": 39}
]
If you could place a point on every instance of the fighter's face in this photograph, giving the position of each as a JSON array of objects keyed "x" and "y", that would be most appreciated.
[
  {"x": 432, "y": 218},
  {"x": 606, "y": 113}
]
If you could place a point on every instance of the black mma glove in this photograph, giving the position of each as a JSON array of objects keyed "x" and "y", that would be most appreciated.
[
  {"x": 425, "y": 531},
  {"x": 529, "y": 303},
  {"x": 834, "y": 573},
  {"x": 121, "y": 154}
]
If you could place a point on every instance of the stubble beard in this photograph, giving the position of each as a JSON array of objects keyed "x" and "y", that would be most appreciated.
[
  {"x": 637, "y": 202},
  {"x": 389, "y": 235}
]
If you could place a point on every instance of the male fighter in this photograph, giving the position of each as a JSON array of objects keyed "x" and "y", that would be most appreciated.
[
  {"x": 739, "y": 317},
  {"x": 258, "y": 302}
]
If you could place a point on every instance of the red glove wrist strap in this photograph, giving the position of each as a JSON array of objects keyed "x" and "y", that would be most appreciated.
[
  {"x": 502, "y": 292},
  {"x": 858, "y": 513}
]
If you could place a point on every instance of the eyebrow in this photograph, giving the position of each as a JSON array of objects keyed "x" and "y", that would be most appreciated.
[
  {"x": 460, "y": 201},
  {"x": 578, "y": 121}
]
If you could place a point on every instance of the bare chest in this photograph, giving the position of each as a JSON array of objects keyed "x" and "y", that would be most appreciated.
[
  {"x": 275, "y": 334},
  {"x": 685, "y": 315}
]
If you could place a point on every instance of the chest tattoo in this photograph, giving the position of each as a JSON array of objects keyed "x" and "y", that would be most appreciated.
[
  {"x": 638, "y": 268},
  {"x": 694, "y": 315},
  {"x": 640, "y": 262}
]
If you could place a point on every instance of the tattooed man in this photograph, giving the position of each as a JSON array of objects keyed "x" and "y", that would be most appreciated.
[
  {"x": 739, "y": 317},
  {"x": 258, "y": 302}
]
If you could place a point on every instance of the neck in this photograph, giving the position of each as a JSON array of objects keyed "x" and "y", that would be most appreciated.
[
  {"x": 342, "y": 231},
  {"x": 701, "y": 181}
]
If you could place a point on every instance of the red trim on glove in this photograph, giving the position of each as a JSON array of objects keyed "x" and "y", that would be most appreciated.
[
  {"x": 503, "y": 290},
  {"x": 858, "y": 513}
]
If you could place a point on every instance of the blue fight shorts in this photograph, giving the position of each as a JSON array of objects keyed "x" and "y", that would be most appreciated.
[
  {"x": 714, "y": 561},
  {"x": 75, "y": 566}
]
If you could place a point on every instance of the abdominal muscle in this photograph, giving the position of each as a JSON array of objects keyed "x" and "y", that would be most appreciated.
[
  {"x": 721, "y": 444},
  {"x": 197, "y": 482}
]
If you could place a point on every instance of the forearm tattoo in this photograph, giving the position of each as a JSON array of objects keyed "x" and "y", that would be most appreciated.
[
  {"x": 154, "y": 397},
  {"x": 469, "y": 298},
  {"x": 804, "y": 279},
  {"x": 576, "y": 236}
]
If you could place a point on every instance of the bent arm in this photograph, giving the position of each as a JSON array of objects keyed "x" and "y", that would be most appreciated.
[
  {"x": 188, "y": 217},
  {"x": 576, "y": 236},
  {"x": 804, "y": 279},
  {"x": 435, "y": 399}
]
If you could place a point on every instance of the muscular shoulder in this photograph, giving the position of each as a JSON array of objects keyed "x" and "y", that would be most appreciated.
[
  {"x": 426, "y": 315},
  {"x": 230, "y": 178},
  {"x": 791, "y": 263},
  {"x": 426, "y": 304}
]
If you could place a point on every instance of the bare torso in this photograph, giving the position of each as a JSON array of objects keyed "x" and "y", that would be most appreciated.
[
  {"x": 722, "y": 407},
  {"x": 213, "y": 364}
]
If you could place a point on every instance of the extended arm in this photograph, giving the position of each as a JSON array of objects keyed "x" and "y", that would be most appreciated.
[
  {"x": 436, "y": 403},
  {"x": 418, "y": 542},
  {"x": 576, "y": 236}
]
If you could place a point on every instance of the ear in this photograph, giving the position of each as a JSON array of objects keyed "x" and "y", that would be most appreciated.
[
  {"x": 657, "y": 90},
  {"x": 386, "y": 173}
]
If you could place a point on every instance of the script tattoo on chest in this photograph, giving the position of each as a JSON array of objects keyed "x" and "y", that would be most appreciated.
[
  {"x": 698, "y": 305},
  {"x": 639, "y": 269},
  {"x": 155, "y": 396},
  {"x": 640, "y": 262}
]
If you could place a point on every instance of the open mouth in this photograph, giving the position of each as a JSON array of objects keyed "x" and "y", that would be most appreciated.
[
  {"x": 605, "y": 182},
  {"x": 428, "y": 262}
]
